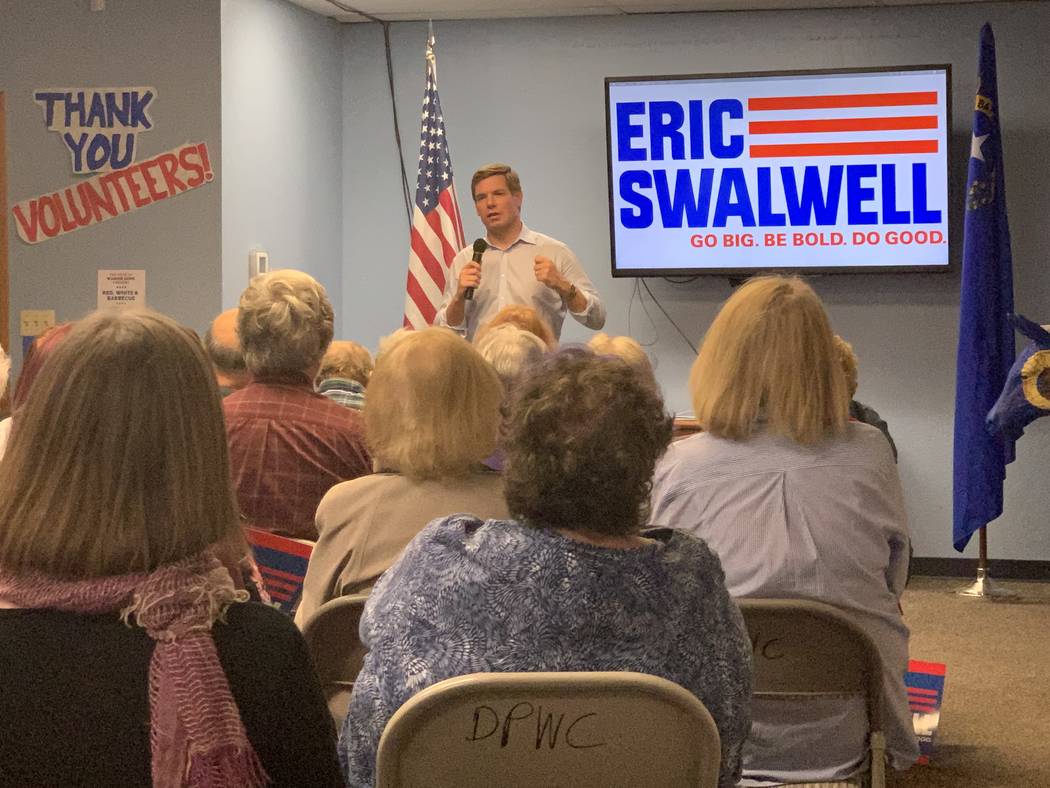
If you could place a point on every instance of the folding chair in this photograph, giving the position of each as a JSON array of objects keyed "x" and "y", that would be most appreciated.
[
  {"x": 331, "y": 635},
  {"x": 550, "y": 729},
  {"x": 805, "y": 648}
]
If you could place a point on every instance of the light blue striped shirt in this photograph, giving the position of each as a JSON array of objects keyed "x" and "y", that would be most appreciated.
[
  {"x": 824, "y": 523},
  {"x": 507, "y": 278}
]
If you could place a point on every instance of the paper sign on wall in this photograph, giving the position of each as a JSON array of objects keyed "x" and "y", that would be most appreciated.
[
  {"x": 121, "y": 288},
  {"x": 99, "y": 126},
  {"x": 113, "y": 193}
]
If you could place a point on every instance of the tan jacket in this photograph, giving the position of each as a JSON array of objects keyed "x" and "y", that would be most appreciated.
[{"x": 365, "y": 523}]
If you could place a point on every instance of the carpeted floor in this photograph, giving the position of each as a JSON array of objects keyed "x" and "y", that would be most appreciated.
[{"x": 995, "y": 720}]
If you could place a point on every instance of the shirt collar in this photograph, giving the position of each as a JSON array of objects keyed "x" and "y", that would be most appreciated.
[
  {"x": 298, "y": 379},
  {"x": 526, "y": 236}
]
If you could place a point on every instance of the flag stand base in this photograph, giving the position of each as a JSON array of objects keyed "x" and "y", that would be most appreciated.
[{"x": 983, "y": 588}]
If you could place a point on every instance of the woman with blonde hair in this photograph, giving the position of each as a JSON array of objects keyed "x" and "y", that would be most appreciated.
[
  {"x": 524, "y": 317},
  {"x": 129, "y": 657},
  {"x": 432, "y": 418},
  {"x": 797, "y": 501},
  {"x": 628, "y": 349}
]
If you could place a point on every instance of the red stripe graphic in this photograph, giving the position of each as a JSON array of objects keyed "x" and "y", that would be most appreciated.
[
  {"x": 277, "y": 582},
  {"x": 922, "y": 691},
  {"x": 282, "y": 544},
  {"x": 843, "y": 148},
  {"x": 914, "y": 99},
  {"x": 842, "y": 124},
  {"x": 280, "y": 573},
  {"x": 933, "y": 668}
]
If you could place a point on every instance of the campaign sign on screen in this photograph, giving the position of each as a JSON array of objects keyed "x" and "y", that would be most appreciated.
[{"x": 812, "y": 171}]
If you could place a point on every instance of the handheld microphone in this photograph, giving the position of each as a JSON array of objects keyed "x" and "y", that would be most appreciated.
[{"x": 479, "y": 249}]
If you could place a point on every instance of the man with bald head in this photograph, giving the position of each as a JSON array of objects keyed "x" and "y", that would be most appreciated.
[{"x": 224, "y": 350}]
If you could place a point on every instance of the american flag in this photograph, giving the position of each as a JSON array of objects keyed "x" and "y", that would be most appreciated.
[{"x": 437, "y": 228}]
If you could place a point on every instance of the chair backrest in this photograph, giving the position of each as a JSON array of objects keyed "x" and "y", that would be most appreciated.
[
  {"x": 332, "y": 636},
  {"x": 801, "y": 647},
  {"x": 550, "y": 729}
]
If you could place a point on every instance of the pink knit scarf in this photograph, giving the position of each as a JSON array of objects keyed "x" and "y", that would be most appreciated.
[{"x": 197, "y": 738}]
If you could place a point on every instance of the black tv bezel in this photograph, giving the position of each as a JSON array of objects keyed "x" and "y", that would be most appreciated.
[{"x": 738, "y": 272}]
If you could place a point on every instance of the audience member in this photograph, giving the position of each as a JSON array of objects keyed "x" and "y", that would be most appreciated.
[
  {"x": 344, "y": 374},
  {"x": 40, "y": 349},
  {"x": 288, "y": 444},
  {"x": 390, "y": 340},
  {"x": 524, "y": 317},
  {"x": 510, "y": 350},
  {"x": 627, "y": 349},
  {"x": 129, "y": 657},
  {"x": 224, "y": 350},
  {"x": 569, "y": 584},
  {"x": 432, "y": 417},
  {"x": 5, "y": 370},
  {"x": 5, "y": 424},
  {"x": 857, "y": 410},
  {"x": 797, "y": 501}
]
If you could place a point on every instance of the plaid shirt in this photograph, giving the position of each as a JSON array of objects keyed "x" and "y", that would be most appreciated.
[
  {"x": 348, "y": 393},
  {"x": 288, "y": 446}
]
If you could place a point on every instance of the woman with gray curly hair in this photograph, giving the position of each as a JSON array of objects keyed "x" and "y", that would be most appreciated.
[{"x": 571, "y": 583}]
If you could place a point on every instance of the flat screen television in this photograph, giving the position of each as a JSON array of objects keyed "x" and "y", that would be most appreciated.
[{"x": 801, "y": 171}]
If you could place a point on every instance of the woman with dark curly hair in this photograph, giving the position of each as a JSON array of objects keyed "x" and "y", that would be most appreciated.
[{"x": 571, "y": 583}]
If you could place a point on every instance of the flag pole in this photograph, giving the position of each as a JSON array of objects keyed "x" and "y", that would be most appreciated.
[{"x": 983, "y": 587}]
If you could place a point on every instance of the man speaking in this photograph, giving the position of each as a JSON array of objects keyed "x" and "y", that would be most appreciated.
[{"x": 516, "y": 266}]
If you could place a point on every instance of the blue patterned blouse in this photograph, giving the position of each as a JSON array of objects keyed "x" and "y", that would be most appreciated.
[{"x": 469, "y": 596}]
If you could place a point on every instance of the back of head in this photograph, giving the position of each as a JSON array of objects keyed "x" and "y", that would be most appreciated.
[
  {"x": 347, "y": 360},
  {"x": 848, "y": 360},
  {"x": 770, "y": 354},
  {"x": 433, "y": 406},
  {"x": 627, "y": 349},
  {"x": 39, "y": 351},
  {"x": 119, "y": 463},
  {"x": 582, "y": 437},
  {"x": 224, "y": 346},
  {"x": 524, "y": 317},
  {"x": 285, "y": 323},
  {"x": 510, "y": 351}
]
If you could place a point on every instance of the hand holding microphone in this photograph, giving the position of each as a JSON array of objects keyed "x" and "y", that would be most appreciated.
[{"x": 470, "y": 276}]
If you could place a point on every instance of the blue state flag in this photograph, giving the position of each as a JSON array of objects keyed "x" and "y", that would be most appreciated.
[{"x": 986, "y": 341}]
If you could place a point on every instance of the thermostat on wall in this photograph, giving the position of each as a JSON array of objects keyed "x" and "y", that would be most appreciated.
[{"x": 258, "y": 263}]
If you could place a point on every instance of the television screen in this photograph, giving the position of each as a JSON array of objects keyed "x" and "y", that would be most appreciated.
[{"x": 820, "y": 172}]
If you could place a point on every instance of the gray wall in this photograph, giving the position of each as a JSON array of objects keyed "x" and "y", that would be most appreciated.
[
  {"x": 531, "y": 92},
  {"x": 173, "y": 47},
  {"x": 282, "y": 142}
]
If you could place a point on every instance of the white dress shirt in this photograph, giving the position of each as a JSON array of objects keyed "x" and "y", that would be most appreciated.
[
  {"x": 507, "y": 278},
  {"x": 825, "y": 523}
]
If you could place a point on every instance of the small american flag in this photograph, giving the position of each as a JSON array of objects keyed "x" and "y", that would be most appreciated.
[{"x": 437, "y": 228}]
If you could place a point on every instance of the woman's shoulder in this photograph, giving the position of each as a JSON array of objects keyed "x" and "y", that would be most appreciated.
[
  {"x": 256, "y": 620},
  {"x": 679, "y": 546}
]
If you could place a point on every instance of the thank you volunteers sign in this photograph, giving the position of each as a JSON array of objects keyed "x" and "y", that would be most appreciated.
[{"x": 832, "y": 170}]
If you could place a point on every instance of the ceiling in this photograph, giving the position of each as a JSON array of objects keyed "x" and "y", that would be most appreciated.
[{"x": 405, "y": 10}]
